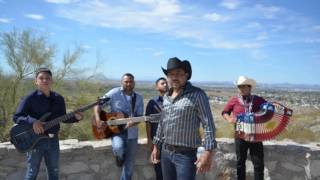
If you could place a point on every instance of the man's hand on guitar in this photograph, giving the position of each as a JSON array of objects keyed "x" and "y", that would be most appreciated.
[
  {"x": 37, "y": 127},
  {"x": 277, "y": 106},
  {"x": 99, "y": 124},
  {"x": 78, "y": 116},
  {"x": 130, "y": 124}
]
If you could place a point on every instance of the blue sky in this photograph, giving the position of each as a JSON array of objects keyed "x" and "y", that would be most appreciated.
[{"x": 272, "y": 41}]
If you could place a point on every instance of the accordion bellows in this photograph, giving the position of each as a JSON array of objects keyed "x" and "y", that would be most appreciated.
[{"x": 264, "y": 125}]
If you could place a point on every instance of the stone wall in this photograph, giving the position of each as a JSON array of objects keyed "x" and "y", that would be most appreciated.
[{"x": 93, "y": 160}]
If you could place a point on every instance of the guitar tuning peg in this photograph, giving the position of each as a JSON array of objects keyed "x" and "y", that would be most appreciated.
[{"x": 103, "y": 100}]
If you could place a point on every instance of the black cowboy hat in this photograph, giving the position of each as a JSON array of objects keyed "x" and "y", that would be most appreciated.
[{"x": 176, "y": 63}]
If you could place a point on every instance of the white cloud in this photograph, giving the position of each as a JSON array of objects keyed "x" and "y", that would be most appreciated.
[
  {"x": 147, "y": 49},
  {"x": 316, "y": 28},
  {"x": 161, "y": 7},
  {"x": 5, "y": 20},
  {"x": 104, "y": 41},
  {"x": 269, "y": 12},
  {"x": 61, "y": 1},
  {"x": 153, "y": 51},
  {"x": 312, "y": 41},
  {"x": 215, "y": 17},
  {"x": 277, "y": 28},
  {"x": 86, "y": 46},
  {"x": 184, "y": 21},
  {"x": 262, "y": 36},
  {"x": 230, "y": 4},
  {"x": 159, "y": 16},
  {"x": 254, "y": 25},
  {"x": 145, "y": 1},
  {"x": 223, "y": 44},
  {"x": 34, "y": 16},
  {"x": 258, "y": 54},
  {"x": 158, "y": 53},
  {"x": 316, "y": 57}
]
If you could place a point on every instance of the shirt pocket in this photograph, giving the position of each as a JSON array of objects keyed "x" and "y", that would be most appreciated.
[{"x": 184, "y": 108}]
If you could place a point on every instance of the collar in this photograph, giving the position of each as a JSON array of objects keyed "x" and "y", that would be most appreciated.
[
  {"x": 40, "y": 93},
  {"x": 246, "y": 97},
  {"x": 122, "y": 90},
  {"x": 159, "y": 98},
  {"x": 186, "y": 88}
]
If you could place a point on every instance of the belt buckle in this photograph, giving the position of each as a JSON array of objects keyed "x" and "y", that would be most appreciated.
[
  {"x": 51, "y": 135},
  {"x": 176, "y": 149}
]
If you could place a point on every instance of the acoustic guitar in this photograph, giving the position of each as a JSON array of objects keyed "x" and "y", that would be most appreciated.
[
  {"x": 24, "y": 138},
  {"x": 114, "y": 123}
]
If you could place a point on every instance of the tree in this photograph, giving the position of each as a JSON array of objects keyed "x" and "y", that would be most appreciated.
[{"x": 25, "y": 51}]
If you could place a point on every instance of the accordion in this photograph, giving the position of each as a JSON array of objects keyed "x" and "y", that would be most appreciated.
[{"x": 266, "y": 124}]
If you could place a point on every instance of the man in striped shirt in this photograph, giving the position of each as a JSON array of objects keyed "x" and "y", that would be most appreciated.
[{"x": 184, "y": 107}]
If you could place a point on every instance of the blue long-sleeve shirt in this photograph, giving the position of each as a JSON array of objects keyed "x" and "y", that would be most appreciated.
[
  {"x": 154, "y": 106},
  {"x": 33, "y": 106}
]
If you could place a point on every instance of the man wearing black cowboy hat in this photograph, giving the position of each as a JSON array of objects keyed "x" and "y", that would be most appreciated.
[{"x": 184, "y": 107}]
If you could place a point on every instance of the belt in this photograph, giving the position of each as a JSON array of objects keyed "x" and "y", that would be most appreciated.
[{"x": 180, "y": 149}]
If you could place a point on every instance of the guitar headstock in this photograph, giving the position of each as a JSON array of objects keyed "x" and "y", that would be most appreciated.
[{"x": 102, "y": 100}]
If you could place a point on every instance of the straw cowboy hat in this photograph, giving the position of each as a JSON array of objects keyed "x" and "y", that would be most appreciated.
[
  {"x": 176, "y": 63},
  {"x": 243, "y": 80}
]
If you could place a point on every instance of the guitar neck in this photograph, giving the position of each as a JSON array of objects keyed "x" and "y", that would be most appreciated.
[
  {"x": 126, "y": 120},
  {"x": 134, "y": 119},
  {"x": 67, "y": 116}
]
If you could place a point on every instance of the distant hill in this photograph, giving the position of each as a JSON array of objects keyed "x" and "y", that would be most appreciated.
[
  {"x": 100, "y": 78},
  {"x": 275, "y": 86}
]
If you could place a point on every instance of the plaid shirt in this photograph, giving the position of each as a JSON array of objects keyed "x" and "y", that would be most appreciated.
[{"x": 181, "y": 117}]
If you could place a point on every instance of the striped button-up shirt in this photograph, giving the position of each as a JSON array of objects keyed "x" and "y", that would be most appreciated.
[{"x": 181, "y": 117}]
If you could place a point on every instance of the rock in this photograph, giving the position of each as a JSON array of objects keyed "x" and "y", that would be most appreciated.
[
  {"x": 95, "y": 167},
  {"x": 81, "y": 176},
  {"x": 271, "y": 165},
  {"x": 148, "y": 172},
  {"x": 315, "y": 168},
  {"x": 16, "y": 175},
  {"x": 292, "y": 167},
  {"x": 73, "y": 167},
  {"x": 230, "y": 156}
]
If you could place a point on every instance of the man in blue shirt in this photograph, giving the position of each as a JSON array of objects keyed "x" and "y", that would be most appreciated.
[
  {"x": 124, "y": 144},
  {"x": 154, "y": 107},
  {"x": 29, "y": 111}
]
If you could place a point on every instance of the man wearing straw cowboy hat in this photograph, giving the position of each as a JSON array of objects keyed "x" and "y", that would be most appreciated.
[
  {"x": 184, "y": 107},
  {"x": 245, "y": 102}
]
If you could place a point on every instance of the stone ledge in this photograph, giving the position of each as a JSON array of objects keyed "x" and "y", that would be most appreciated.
[
  {"x": 103, "y": 144},
  {"x": 94, "y": 160}
]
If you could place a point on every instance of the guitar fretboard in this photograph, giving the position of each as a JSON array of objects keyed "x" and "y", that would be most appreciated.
[
  {"x": 68, "y": 116},
  {"x": 151, "y": 118}
]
